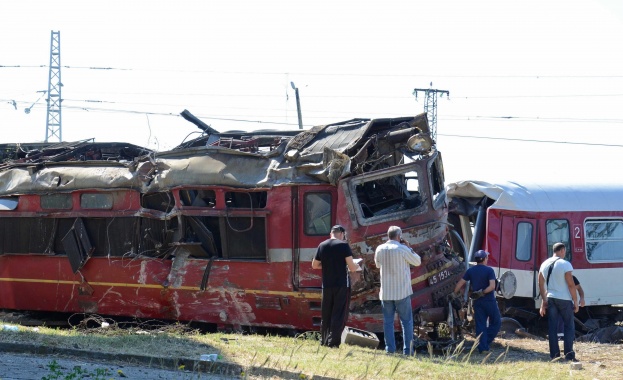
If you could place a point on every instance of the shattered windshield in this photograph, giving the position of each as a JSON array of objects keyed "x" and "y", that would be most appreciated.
[{"x": 389, "y": 193}]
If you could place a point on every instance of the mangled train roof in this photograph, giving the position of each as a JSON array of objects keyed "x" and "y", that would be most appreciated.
[
  {"x": 543, "y": 196},
  {"x": 260, "y": 159}
]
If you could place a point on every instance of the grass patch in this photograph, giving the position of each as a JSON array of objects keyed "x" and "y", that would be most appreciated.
[
  {"x": 269, "y": 356},
  {"x": 57, "y": 373}
]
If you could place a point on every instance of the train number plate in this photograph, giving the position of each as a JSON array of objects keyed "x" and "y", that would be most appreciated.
[{"x": 439, "y": 277}]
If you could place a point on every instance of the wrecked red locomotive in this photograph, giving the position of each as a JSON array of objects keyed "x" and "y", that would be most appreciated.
[{"x": 222, "y": 229}]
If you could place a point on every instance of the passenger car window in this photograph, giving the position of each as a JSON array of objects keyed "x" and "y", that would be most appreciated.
[
  {"x": 523, "y": 245},
  {"x": 558, "y": 231},
  {"x": 604, "y": 240}
]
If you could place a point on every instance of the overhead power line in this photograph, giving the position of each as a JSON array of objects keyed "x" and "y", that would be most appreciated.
[
  {"x": 272, "y": 95},
  {"x": 22, "y": 66},
  {"x": 532, "y": 140},
  {"x": 330, "y": 115},
  {"x": 177, "y": 115},
  {"x": 341, "y": 74},
  {"x": 533, "y": 119}
]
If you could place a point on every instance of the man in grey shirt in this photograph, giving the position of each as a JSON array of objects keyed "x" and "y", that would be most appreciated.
[{"x": 393, "y": 258}]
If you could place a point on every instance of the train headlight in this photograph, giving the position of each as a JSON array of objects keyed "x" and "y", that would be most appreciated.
[{"x": 419, "y": 143}]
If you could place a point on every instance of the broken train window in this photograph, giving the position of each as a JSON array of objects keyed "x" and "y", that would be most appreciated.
[
  {"x": 113, "y": 236},
  {"x": 437, "y": 182},
  {"x": 227, "y": 237},
  {"x": 231, "y": 234},
  {"x": 8, "y": 203},
  {"x": 388, "y": 194},
  {"x": 161, "y": 201},
  {"x": 244, "y": 238},
  {"x": 236, "y": 199},
  {"x": 243, "y": 233},
  {"x": 317, "y": 216},
  {"x": 198, "y": 198}
]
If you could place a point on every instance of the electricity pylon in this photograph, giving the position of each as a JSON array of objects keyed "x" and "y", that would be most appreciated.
[
  {"x": 430, "y": 106},
  {"x": 53, "y": 125}
]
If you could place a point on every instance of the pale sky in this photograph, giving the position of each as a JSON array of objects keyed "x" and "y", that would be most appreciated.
[{"x": 535, "y": 86}]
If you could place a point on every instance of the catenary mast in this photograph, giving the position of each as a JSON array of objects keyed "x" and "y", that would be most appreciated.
[{"x": 53, "y": 124}]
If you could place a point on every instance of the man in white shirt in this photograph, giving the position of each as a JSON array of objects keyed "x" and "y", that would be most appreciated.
[
  {"x": 393, "y": 259},
  {"x": 559, "y": 299}
]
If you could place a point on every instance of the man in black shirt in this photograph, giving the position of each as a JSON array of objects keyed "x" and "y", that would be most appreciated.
[{"x": 335, "y": 259}]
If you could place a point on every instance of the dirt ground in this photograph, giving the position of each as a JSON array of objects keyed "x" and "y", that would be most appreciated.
[{"x": 590, "y": 354}]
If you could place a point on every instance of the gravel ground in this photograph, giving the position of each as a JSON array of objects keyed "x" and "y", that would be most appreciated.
[{"x": 15, "y": 366}]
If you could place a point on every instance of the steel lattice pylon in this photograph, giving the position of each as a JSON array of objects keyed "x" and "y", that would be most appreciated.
[
  {"x": 53, "y": 125},
  {"x": 430, "y": 107}
]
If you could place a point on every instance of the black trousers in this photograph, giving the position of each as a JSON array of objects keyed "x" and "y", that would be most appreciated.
[{"x": 335, "y": 303}]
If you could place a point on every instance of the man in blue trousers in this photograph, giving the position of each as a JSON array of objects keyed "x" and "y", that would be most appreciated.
[
  {"x": 394, "y": 259},
  {"x": 482, "y": 281},
  {"x": 560, "y": 300}
]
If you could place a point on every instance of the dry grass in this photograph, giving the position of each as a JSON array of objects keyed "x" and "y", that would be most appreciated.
[{"x": 269, "y": 357}]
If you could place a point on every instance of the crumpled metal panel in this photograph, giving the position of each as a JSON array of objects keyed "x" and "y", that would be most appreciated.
[
  {"x": 337, "y": 136},
  {"x": 322, "y": 154},
  {"x": 217, "y": 168}
]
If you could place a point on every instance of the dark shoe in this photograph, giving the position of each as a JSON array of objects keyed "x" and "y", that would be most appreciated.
[
  {"x": 574, "y": 360},
  {"x": 484, "y": 352}
]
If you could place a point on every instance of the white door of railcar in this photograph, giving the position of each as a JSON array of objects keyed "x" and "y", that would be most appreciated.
[{"x": 518, "y": 240}]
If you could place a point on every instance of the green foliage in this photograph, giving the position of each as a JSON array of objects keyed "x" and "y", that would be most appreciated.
[{"x": 77, "y": 373}]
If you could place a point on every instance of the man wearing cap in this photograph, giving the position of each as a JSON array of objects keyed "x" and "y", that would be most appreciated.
[
  {"x": 335, "y": 259},
  {"x": 482, "y": 281},
  {"x": 394, "y": 258},
  {"x": 559, "y": 298}
]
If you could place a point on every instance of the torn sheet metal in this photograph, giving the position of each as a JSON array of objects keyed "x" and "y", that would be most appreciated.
[{"x": 322, "y": 154}]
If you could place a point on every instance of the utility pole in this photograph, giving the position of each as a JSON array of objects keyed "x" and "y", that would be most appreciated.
[
  {"x": 298, "y": 104},
  {"x": 430, "y": 106},
  {"x": 53, "y": 125}
]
